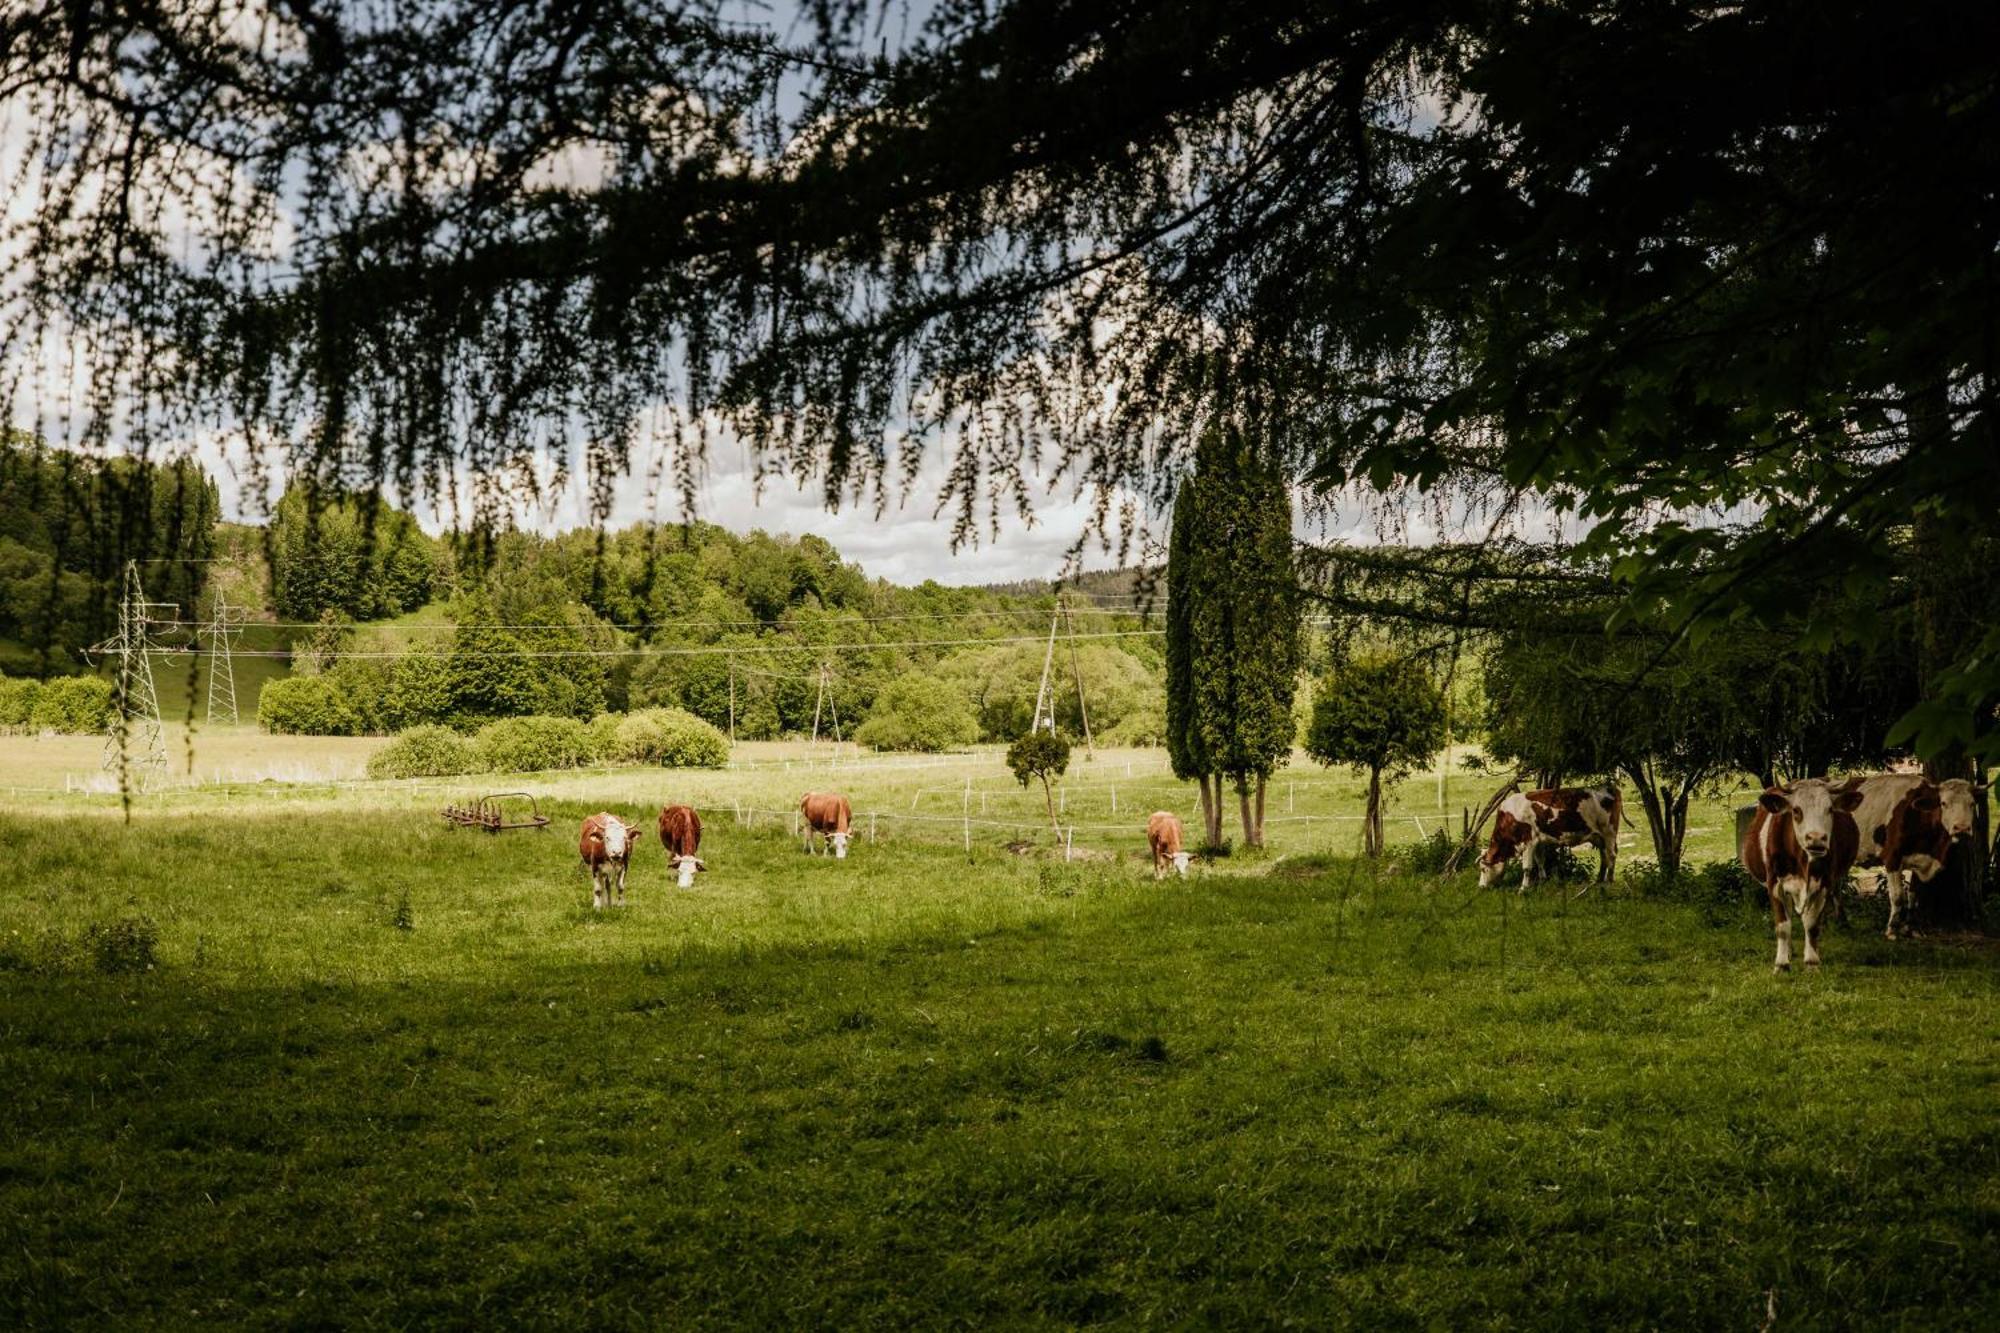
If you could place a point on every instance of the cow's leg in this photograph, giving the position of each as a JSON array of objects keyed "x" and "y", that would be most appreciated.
[
  {"x": 1893, "y": 885},
  {"x": 1781, "y": 926},
  {"x": 620, "y": 899},
  {"x": 1811, "y": 903},
  {"x": 1528, "y": 864},
  {"x": 1607, "y": 858},
  {"x": 597, "y": 893}
]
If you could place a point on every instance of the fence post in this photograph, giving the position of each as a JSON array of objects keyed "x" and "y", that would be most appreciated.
[
  {"x": 1062, "y": 800},
  {"x": 1114, "y": 800},
  {"x": 915, "y": 796},
  {"x": 968, "y": 833},
  {"x": 1288, "y": 796},
  {"x": 871, "y": 826},
  {"x": 982, "y": 803},
  {"x": 1068, "y": 834}
]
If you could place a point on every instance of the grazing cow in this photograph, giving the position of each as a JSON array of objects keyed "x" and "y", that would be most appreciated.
[
  {"x": 1919, "y": 836},
  {"x": 826, "y": 814},
  {"x": 680, "y": 838},
  {"x": 1798, "y": 848},
  {"x": 606, "y": 846},
  {"x": 1564, "y": 816},
  {"x": 1163, "y": 832}
]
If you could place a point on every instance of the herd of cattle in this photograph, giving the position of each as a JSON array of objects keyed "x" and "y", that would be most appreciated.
[{"x": 1801, "y": 842}]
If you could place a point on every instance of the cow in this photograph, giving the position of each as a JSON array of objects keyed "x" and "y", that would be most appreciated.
[
  {"x": 1799, "y": 847},
  {"x": 680, "y": 839},
  {"x": 1919, "y": 835},
  {"x": 1163, "y": 833},
  {"x": 1882, "y": 795},
  {"x": 826, "y": 814},
  {"x": 1563, "y": 816},
  {"x": 606, "y": 847}
]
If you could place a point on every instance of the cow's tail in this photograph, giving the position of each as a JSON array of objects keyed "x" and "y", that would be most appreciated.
[{"x": 1618, "y": 815}]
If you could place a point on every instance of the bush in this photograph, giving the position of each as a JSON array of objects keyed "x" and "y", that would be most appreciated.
[
  {"x": 524, "y": 744},
  {"x": 17, "y": 701},
  {"x": 1717, "y": 887},
  {"x": 919, "y": 713},
  {"x": 307, "y": 706},
  {"x": 604, "y": 736},
  {"x": 1427, "y": 856},
  {"x": 129, "y": 944},
  {"x": 80, "y": 704},
  {"x": 670, "y": 737},
  {"x": 424, "y": 752}
]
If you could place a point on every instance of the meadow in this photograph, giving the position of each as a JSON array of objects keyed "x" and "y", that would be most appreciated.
[{"x": 298, "y": 1053}]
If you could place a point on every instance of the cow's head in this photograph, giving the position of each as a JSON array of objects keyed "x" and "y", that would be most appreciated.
[
  {"x": 687, "y": 865},
  {"x": 618, "y": 839},
  {"x": 1958, "y": 801},
  {"x": 1493, "y": 861},
  {"x": 1181, "y": 860},
  {"x": 1811, "y": 805},
  {"x": 839, "y": 845}
]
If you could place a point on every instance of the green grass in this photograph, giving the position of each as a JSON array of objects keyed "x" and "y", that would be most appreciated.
[{"x": 385, "y": 1072}]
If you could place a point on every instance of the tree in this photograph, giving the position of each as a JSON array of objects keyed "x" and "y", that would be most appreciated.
[
  {"x": 1460, "y": 249},
  {"x": 1383, "y": 715},
  {"x": 1583, "y": 706},
  {"x": 919, "y": 713},
  {"x": 1043, "y": 755},
  {"x": 1232, "y": 630}
]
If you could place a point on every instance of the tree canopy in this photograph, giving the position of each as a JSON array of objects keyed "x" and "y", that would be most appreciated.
[{"x": 1718, "y": 281}]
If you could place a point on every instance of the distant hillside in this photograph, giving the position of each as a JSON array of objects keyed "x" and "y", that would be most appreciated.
[{"x": 1119, "y": 588}]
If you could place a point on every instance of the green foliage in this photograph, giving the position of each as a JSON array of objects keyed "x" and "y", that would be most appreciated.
[
  {"x": 530, "y": 744},
  {"x": 670, "y": 737},
  {"x": 127, "y": 945},
  {"x": 1425, "y": 856},
  {"x": 1382, "y": 715},
  {"x": 1233, "y": 646},
  {"x": 1038, "y": 754},
  {"x": 307, "y": 706},
  {"x": 17, "y": 701},
  {"x": 349, "y": 558},
  {"x": 418, "y": 690},
  {"x": 425, "y": 752},
  {"x": 72, "y": 704},
  {"x": 921, "y": 713}
]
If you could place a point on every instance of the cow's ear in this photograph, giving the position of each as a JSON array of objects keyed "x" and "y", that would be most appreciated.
[
  {"x": 1774, "y": 801},
  {"x": 1848, "y": 799}
]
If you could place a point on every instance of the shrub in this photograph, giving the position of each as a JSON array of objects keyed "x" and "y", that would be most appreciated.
[
  {"x": 670, "y": 737},
  {"x": 1427, "y": 856},
  {"x": 524, "y": 744},
  {"x": 307, "y": 706},
  {"x": 919, "y": 713},
  {"x": 17, "y": 701},
  {"x": 73, "y": 704},
  {"x": 419, "y": 690},
  {"x": 604, "y": 736},
  {"x": 424, "y": 752}
]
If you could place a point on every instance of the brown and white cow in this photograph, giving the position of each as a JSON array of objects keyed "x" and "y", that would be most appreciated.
[
  {"x": 1562, "y": 816},
  {"x": 680, "y": 838},
  {"x": 1882, "y": 797},
  {"x": 826, "y": 814},
  {"x": 1164, "y": 835},
  {"x": 1920, "y": 834},
  {"x": 1799, "y": 846},
  {"x": 606, "y": 847}
]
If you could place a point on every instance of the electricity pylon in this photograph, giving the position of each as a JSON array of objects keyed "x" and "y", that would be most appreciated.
[
  {"x": 225, "y": 622},
  {"x": 137, "y": 745}
]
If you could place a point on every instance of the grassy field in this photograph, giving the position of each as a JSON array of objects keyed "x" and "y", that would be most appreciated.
[{"x": 299, "y": 1054}]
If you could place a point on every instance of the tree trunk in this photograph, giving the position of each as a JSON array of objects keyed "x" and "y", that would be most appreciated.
[
  {"x": 1261, "y": 780},
  {"x": 1243, "y": 805},
  {"x": 1666, "y": 830},
  {"x": 1049, "y": 799},
  {"x": 1372, "y": 830},
  {"x": 1211, "y": 809}
]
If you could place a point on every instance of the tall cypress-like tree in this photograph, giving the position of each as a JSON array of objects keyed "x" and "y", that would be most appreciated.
[{"x": 1232, "y": 630}]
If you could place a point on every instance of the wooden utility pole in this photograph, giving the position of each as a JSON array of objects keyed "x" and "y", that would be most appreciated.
[
  {"x": 1076, "y": 667},
  {"x": 1048, "y": 660}
]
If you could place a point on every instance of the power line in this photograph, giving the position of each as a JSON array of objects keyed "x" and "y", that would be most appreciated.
[
  {"x": 440, "y": 627},
  {"x": 704, "y": 650}
]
